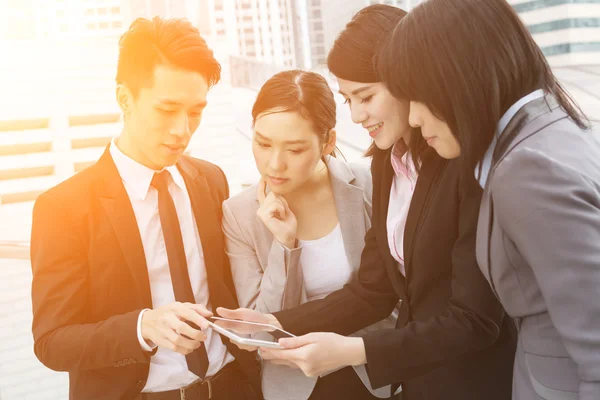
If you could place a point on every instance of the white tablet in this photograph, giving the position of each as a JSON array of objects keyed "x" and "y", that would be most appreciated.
[{"x": 240, "y": 332}]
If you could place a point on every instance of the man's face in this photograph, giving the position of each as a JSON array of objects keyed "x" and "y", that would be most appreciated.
[{"x": 161, "y": 119}]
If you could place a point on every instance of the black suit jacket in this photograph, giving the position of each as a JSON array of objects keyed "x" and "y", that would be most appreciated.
[
  {"x": 453, "y": 339},
  {"x": 90, "y": 279}
]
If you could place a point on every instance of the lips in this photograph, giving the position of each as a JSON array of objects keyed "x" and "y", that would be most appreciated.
[
  {"x": 174, "y": 148},
  {"x": 277, "y": 181},
  {"x": 374, "y": 129},
  {"x": 430, "y": 139}
]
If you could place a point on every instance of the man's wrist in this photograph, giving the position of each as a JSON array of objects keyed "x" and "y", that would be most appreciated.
[{"x": 146, "y": 345}]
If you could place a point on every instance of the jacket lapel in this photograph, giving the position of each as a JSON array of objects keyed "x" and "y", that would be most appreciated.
[
  {"x": 529, "y": 120},
  {"x": 431, "y": 165},
  {"x": 484, "y": 224},
  {"x": 387, "y": 176},
  {"x": 206, "y": 213},
  {"x": 349, "y": 203},
  {"x": 209, "y": 229},
  {"x": 118, "y": 209}
]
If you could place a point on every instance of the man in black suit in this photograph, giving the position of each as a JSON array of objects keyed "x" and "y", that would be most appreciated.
[{"x": 127, "y": 256}]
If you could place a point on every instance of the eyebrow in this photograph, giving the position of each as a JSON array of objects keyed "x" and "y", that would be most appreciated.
[
  {"x": 358, "y": 90},
  {"x": 168, "y": 102},
  {"x": 262, "y": 137}
]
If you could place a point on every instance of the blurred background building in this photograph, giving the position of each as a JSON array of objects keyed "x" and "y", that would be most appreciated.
[
  {"x": 58, "y": 112},
  {"x": 568, "y": 31}
]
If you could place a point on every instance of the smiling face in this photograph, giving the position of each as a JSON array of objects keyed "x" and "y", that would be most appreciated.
[
  {"x": 436, "y": 132},
  {"x": 161, "y": 119},
  {"x": 286, "y": 150},
  {"x": 381, "y": 114}
]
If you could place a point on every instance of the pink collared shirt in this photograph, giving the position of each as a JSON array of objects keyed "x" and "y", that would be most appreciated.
[{"x": 403, "y": 187}]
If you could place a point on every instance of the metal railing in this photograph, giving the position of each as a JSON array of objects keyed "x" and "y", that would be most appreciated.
[
  {"x": 44, "y": 153},
  {"x": 14, "y": 250}
]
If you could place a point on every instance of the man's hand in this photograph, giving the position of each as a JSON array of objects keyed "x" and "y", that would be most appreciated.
[
  {"x": 169, "y": 326},
  {"x": 318, "y": 353}
]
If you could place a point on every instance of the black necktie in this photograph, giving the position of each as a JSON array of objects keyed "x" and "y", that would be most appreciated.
[{"x": 197, "y": 360}]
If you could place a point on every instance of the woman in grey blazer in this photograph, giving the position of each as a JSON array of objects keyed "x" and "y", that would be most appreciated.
[
  {"x": 297, "y": 235},
  {"x": 483, "y": 91}
]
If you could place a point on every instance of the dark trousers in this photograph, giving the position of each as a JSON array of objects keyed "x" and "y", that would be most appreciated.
[
  {"x": 230, "y": 384},
  {"x": 237, "y": 390},
  {"x": 343, "y": 384}
]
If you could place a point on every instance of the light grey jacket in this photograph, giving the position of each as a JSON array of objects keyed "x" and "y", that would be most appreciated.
[
  {"x": 268, "y": 277},
  {"x": 538, "y": 244}
]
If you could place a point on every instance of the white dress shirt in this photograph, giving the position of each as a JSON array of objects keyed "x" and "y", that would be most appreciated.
[
  {"x": 168, "y": 369},
  {"x": 486, "y": 163},
  {"x": 403, "y": 187}
]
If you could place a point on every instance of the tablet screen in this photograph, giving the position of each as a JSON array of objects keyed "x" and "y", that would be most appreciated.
[{"x": 247, "y": 329}]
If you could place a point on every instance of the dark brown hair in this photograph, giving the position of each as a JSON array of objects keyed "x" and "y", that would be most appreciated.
[
  {"x": 352, "y": 56},
  {"x": 149, "y": 43},
  {"x": 304, "y": 92},
  {"x": 468, "y": 61}
]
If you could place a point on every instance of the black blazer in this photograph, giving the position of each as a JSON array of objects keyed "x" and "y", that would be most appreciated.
[
  {"x": 453, "y": 340},
  {"x": 90, "y": 279}
]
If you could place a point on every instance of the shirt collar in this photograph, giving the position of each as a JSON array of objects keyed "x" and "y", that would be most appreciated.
[
  {"x": 136, "y": 176},
  {"x": 401, "y": 160},
  {"x": 486, "y": 163}
]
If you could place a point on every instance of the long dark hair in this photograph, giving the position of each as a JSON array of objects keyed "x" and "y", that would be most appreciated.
[
  {"x": 352, "y": 56},
  {"x": 304, "y": 92},
  {"x": 468, "y": 61}
]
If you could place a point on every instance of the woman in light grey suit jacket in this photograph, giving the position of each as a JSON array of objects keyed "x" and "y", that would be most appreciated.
[
  {"x": 298, "y": 234},
  {"x": 484, "y": 92}
]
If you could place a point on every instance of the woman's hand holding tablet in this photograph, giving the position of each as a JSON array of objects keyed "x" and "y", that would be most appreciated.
[{"x": 241, "y": 330}]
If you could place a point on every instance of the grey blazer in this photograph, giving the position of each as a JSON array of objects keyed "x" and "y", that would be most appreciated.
[
  {"x": 268, "y": 277},
  {"x": 538, "y": 244}
]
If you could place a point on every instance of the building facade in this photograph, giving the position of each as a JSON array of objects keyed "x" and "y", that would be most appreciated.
[
  {"x": 260, "y": 30},
  {"x": 568, "y": 31}
]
